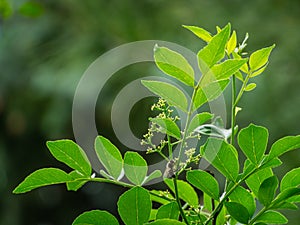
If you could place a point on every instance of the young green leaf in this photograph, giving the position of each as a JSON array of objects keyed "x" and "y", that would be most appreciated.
[
  {"x": 267, "y": 190},
  {"x": 134, "y": 206},
  {"x": 272, "y": 217},
  {"x": 200, "y": 32},
  {"x": 284, "y": 145},
  {"x": 135, "y": 167},
  {"x": 185, "y": 191},
  {"x": 168, "y": 211},
  {"x": 95, "y": 217},
  {"x": 222, "y": 156},
  {"x": 165, "y": 222},
  {"x": 71, "y": 154},
  {"x": 174, "y": 65},
  {"x": 214, "y": 51},
  {"x": 75, "y": 185},
  {"x": 260, "y": 58},
  {"x": 291, "y": 179},
  {"x": 209, "y": 92},
  {"x": 198, "y": 120},
  {"x": 245, "y": 198},
  {"x": 155, "y": 174},
  {"x": 170, "y": 93},
  {"x": 250, "y": 87},
  {"x": 42, "y": 177},
  {"x": 168, "y": 126},
  {"x": 238, "y": 212},
  {"x": 259, "y": 71},
  {"x": 286, "y": 195},
  {"x": 256, "y": 179},
  {"x": 253, "y": 142},
  {"x": 231, "y": 44},
  {"x": 109, "y": 156},
  {"x": 204, "y": 182}
]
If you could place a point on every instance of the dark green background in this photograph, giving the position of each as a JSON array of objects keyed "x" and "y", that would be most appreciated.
[{"x": 43, "y": 56}]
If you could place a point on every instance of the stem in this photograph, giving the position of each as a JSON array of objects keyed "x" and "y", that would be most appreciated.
[
  {"x": 257, "y": 215},
  {"x": 238, "y": 98},
  {"x": 233, "y": 109},
  {"x": 178, "y": 200}
]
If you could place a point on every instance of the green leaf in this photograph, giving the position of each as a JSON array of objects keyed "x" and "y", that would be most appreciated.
[
  {"x": 109, "y": 156},
  {"x": 204, "y": 182},
  {"x": 222, "y": 156},
  {"x": 286, "y": 195},
  {"x": 174, "y": 65},
  {"x": 134, "y": 206},
  {"x": 42, "y": 177},
  {"x": 291, "y": 179},
  {"x": 165, "y": 222},
  {"x": 31, "y": 9},
  {"x": 200, "y": 32},
  {"x": 71, "y": 154},
  {"x": 135, "y": 167},
  {"x": 238, "y": 212},
  {"x": 198, "y": 120},
  {"x": 158, "y": 196},
  {"x": 207, "y": 202},
  {"x": 75, "y": 185},
  {"x": 214, "y": 51},
  {"x": 272, "y": 217},
  {"x": 153, "y": 214},
  {"x": 185, "y": 191},
  {"x": 155, "y": 174},
  {"x": 260, "y": 57},
  {"x": 271, "y": 163},
  {"x": 256, "y": 179},
  {"x": 168, "y": 211},
  {"x": 259, "y": 71},
  {"x": 253, "y": 142},
  {"x": 209, "y": 92},
  {"x": 284, "y": 145},
  {"x": 250, "y": 87},
  {"x": 239, "y": 76},
  {"x": 245, "y": 198},
  {"x": 170, "y": 93},
  {"x": 267, "y": 190},
  {"x": 168, "y": 126},
  {"x": 95, "y": 217},
  {"x": 231, "y": 44},
  {"x": 227, "y": 68}
]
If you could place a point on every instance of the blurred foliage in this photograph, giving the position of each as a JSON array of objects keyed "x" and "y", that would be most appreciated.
[{"x": 44, "y": 54}]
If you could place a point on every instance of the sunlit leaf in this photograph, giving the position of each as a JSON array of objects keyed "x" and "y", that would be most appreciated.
[
  {"x": 222, "y": 156},
  {"x": 169, "y": 211},
  {"x": 250, "y": 87},
  {"x": 185, "y": 191},
  {"x": 42, "y": 177},
  {"x": 204, "y": 182},
  {"x": 253, "y": 142},
  {"x": 291, "y": 179},
  {"x": 135, "y": 167},
  {"x": 170, "y": 93},
  {"x": 75, "y": 185},
  {"x": 174, "y": 64},
  {"x": 109, "y": 156},
  {"x": 168, "y": 126},
  {"x": 95, "y": 217},
  {"x": 214, "y": 51},
  {"x": 200, "y": 32},
  {"x": 272, "y": 217},
  {"x": 231, "y": 44},
  {"x": 134, "y": 206},
  {"x": 260, "y": 57},
  {"x": 71, "y": 154}
]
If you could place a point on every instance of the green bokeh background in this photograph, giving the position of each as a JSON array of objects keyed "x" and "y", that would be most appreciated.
[{"x": 46, "y": 47}]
